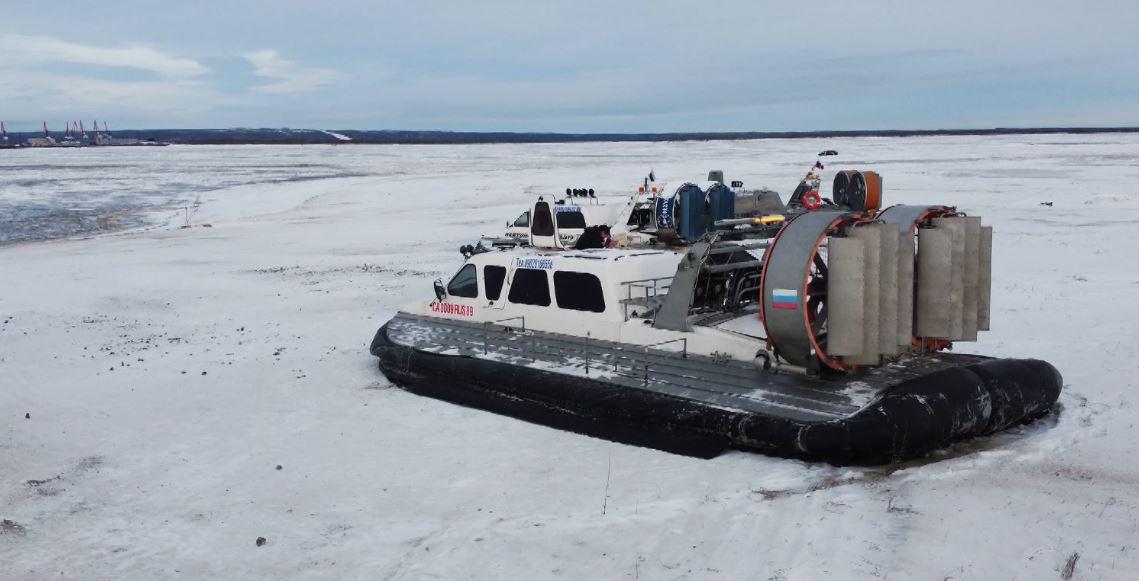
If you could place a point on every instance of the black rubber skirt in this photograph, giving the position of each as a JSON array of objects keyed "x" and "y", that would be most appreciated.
[{"x": 907, "y": 421}]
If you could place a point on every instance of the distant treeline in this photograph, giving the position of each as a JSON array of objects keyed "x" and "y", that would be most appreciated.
[{"x": 307, "y": 136}]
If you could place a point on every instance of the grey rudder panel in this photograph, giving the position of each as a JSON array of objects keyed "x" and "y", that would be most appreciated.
[
  {"x": 905, "y": 330},
  {"x": 871, "y": 237},
  {"x": 673, "y": 313},
  {"x": 934, "y": 269},
  {"x": 846, "y": 297},
  {"x": 985, "y": 277}
]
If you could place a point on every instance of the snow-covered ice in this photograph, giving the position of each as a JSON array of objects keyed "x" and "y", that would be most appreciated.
[{"x": 166, "y": 372}]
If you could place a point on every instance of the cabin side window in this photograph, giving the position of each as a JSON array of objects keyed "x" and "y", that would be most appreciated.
[
  {"x": 493, "y": 276},
  {"x": 570, "y": 220},
  {"x": 530, "y": 286},
  {"x": 465, "y": 283},
  {"x": 542, "y": 224},
  {"x": 579, "y": 291},
  {"x": 523, "y": 221}
]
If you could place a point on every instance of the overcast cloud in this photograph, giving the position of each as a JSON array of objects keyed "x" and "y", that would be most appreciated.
[{"x": 576, "y": 66}]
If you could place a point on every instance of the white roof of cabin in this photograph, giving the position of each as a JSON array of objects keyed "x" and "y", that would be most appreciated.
[{"x": 612, "y": 265}]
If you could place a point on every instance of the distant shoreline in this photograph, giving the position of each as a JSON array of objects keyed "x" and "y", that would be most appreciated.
[{"x": 268, "y": 136}]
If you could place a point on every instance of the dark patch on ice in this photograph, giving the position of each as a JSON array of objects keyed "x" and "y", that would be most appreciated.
[
  {"x": 11, "y": 527},
  {"x": 26, "y": 223},
  {"x": 46, "y": 486},
  {"x": 899, "y": 509},
  {"x": 824, "y": 484},
  {"x": 59, "y": 200},
  {"x": 380, "y": 385},
  {"x": 38, "y": 483},
  {"x": 90, "y": 463},
  {"x": 1070, "y": 567}
]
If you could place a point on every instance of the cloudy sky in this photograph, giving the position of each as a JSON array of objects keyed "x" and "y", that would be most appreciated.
[{"x": 578, "y": 66}]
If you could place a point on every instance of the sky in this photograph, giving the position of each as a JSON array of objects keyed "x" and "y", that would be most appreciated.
[{"x": 580, "y": 66}]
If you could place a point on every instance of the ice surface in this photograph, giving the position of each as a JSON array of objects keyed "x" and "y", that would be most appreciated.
[{"x": 167, "y": 372}]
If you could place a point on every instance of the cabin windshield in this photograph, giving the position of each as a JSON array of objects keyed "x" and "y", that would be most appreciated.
[
  {"x": 465, "y": 283},
  {"x": 523, "y": 221},
  {"x": 568, "y": 219}
]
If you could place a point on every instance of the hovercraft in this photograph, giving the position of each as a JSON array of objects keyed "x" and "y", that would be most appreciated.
[{"x": 827, "y": 341}]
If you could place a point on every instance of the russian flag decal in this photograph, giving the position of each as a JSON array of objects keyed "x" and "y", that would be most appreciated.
[{"x": 782, "y": 298}]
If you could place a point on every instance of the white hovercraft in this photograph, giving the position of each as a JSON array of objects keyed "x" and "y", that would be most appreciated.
[{"x": 821, "y": 336}]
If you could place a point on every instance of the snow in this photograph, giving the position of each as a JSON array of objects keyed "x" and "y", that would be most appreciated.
[{"x": 168, "y": 371}]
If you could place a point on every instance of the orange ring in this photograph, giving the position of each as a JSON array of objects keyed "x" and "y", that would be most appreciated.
[
  {"x": 812, "y": 200},
  {"x": 873, "y": 190}
]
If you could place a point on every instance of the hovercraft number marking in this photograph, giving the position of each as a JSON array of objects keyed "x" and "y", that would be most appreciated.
[
  {"x": 452, "y": 309},
  {"x": 539, "y": 263}
]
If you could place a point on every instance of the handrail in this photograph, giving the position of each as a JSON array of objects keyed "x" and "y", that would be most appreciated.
[
  {"x": 647, "y": 280},
  {"x": 522, "y": 318},
  {"x": 656, "y": 288},
  {"x": 684, "y": 340},
  {"x": 489, "y": 323}
]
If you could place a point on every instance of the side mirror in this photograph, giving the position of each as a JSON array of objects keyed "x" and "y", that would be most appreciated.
[{"x": 440, "y": 291}]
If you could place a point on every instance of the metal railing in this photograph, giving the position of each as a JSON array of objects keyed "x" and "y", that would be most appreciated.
[
  {"x": 487, "y": 324},
  {"x": 636, "y": 364},
  {"x": 646, "y": 379},
  {"x": 684, "y": 348},
  {"x": 651, "y": 287},
  {"x": 518, "y": 318}
]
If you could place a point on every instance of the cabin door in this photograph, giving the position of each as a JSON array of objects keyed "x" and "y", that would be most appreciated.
[{"x": 494, "y": 285}]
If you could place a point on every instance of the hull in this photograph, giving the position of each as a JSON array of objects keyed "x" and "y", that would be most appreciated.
[{"x": 700, "y": 407}]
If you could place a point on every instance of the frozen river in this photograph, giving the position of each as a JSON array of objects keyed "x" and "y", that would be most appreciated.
[{"x": 168, "y": 395}]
